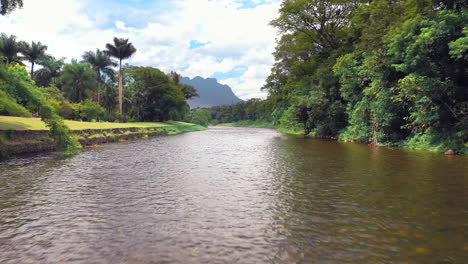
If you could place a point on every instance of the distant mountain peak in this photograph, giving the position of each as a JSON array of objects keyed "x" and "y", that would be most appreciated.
[{"x": 211, "y": 92}]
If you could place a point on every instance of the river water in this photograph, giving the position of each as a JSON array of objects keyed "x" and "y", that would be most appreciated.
[{"x": 235, "y": 195}]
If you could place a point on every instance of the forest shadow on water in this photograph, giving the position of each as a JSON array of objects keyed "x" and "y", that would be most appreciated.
[{"x": 235, "y": 195}]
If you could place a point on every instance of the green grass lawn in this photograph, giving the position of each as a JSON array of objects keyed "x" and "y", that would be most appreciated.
[{"x": 25, "y": 123}]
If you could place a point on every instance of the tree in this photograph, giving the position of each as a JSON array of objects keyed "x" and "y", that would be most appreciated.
[
  {"x": 434, "y": 83},
  {"x": 109, "y": 96},
  {"x": 201, "y": 117},
  {"x": 50, "y": 71},
  {"x": 33, "y": 53},
  {"x": 324, "y": 22},
  {"x": 15, "y": 82},
  {"x": 188, "y": 90},
  {"x": 6, "y": 6},
  {"x": 153, "y": 96},
  {"x": 78, "y": 80},
  {"x": 102, "y": 64},
  {"x": 9, "y": 48},
  {"x": 121, "y": 50}
]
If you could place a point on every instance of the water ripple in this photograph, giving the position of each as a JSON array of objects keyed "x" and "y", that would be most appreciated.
[{"x": 234, "y": 195}]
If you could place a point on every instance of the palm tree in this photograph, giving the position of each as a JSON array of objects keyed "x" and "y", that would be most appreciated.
[
  {"x": 78, "y": 79},
  {"x": 33, "y": 53},
  {"x": 102, "y": 64},
  {"x": 108, "y": 97},
  {"x": 9, "y": 48},
  {"x": 121, "y": 50},
  {"x": 50, "y": 71}
]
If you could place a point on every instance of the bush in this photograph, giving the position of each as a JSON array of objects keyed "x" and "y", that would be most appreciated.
[
  {"x": 15, "y": 81},
  {"x": 289, "y": 120},
  {"x": 201, "y": 117},
  {"x": 68, "y": 110},
  {"x": 90, "y": 110},
  {"x": 8, "y": 106}
]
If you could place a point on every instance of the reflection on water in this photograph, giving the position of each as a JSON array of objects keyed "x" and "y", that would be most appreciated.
[{"x": 235, "y": 195}]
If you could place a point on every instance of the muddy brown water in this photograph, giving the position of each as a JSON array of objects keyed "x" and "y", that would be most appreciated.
[{"x": 235, "y": 195}]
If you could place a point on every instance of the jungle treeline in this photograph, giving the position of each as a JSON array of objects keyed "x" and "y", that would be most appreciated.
[{"x": 392, "y": 72}]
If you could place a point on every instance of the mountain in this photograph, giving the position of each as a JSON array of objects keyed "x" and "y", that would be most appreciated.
[{"x": 211, "y": 93}]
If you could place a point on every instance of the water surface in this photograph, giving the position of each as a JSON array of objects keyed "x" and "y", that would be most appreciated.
[{"x": 235, "y": 195}]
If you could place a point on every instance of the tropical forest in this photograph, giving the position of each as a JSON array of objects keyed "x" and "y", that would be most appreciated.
[{"x": 381, "y": 72}]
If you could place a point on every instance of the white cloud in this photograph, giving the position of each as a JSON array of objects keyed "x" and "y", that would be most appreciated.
[{"x": 234, "y": 36}]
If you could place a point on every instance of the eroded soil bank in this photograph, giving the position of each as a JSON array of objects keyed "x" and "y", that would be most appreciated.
[{"x": 18, "y": 142}]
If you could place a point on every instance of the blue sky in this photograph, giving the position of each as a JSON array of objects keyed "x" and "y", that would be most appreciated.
[
  {"x": 236, "y": 72},
  {"x": 197, "y": 44},
  {"x": 252, "y": 4},
  {"x": 225, "y": 39}
]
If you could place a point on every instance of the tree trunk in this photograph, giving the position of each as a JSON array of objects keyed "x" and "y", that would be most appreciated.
[
  {"x": 120, "y": 87},
  {"x": 375, "y": 125},
  {"x": 98, "y": 92},
  {"x": 32, "y": 70},
  {"x": 98, "y": 86}
]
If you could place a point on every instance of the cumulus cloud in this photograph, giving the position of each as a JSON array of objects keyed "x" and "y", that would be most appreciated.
[{"x": 234, "y": 34}]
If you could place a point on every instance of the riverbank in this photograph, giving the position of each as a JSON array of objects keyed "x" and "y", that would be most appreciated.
[
  {"x": 263, "y": 124},
  {"x": 30, "y": 135},
  {"x": 409, "y": 144}
]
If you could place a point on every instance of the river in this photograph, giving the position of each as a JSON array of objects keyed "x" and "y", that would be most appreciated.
[{"x": 235, "y": 195}]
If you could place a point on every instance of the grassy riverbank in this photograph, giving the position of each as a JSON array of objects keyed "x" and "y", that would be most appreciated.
[
  {"x": 25, "y": 123},
  {"x": 418, "y": 144},
  {"x": 20, "y": 135},
  {"x": 263, "y": 124}
]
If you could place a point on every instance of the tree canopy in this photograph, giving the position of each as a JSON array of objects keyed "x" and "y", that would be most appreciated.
[
  {"x": 390, "y": 72},
  {"x": 6, "y": 6},
  {"x": 153, "y": 96}
]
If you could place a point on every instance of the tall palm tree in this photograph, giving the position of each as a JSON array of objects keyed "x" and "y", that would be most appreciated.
[
  {"x": 78, "y": 79},
  {"x": 50, "y": 71},
  {"x": 33, "y": 53},
  {"x": 102, "y": 64},
  {"x": 121, "y": 50},
  {"x": 9, "y": 48}
]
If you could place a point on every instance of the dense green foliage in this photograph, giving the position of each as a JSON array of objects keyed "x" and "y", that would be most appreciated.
[
  {"x": 391, "y": 72},
  {"x": 78, "y": 81},
  {"x": 17, "y": 84},
  {"x": 200, "y": 117},
  {"x": 72, "y": 88},
  {"x": 253, "y": 109},
  {"x": 89, "y": 110},
  {"x": 85, "y": 90},
  {"x": 9, "y": 106},
  {"x": 152, "y": 96}
]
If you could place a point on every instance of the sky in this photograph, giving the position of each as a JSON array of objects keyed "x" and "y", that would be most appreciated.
[{"x": 229, "y": 40}]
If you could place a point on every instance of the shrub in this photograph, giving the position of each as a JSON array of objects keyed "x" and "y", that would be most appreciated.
[
  {"x": 201, "y": 117},
  {"x": 15, "y": 81},
  {"x": 68, "y": 110},
  {"x": 8, "y": 106},
  {"x": 90, "y": 110}
]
